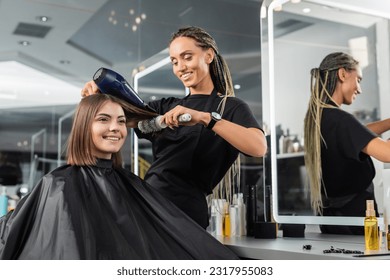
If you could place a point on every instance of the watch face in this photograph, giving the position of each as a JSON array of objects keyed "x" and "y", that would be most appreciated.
[{"x": 216, "y": 116}]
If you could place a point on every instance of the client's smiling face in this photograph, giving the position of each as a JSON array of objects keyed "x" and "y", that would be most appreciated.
[{"x": 109, "y": 130}]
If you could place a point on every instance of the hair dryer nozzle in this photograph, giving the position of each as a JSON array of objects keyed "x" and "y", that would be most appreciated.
[{"x": 110, "y": 82}]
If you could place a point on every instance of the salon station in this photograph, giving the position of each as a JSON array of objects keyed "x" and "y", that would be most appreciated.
[
  {"x": 46, "y": 56},
  {"x": 287, "y": 59}
]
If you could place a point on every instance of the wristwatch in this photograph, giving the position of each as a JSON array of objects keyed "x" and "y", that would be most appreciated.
[{"x": 215, "y": 117}]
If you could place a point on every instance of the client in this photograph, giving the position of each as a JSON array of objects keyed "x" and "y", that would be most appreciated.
[{"x": 92, "y": 208}]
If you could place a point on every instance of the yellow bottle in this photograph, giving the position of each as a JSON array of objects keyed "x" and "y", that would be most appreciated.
[
  {"x": 388, "y": 238},
  {"x": 226, "y": 229},
  {"x": 371, "y": 227}
]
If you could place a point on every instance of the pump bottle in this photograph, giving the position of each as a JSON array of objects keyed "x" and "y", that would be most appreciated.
[{"x": 371, "y": 227}]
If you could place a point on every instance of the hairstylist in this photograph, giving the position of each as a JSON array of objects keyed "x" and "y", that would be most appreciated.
[
  {"x": 191, "y": 159},
  {"x": 337, "y": 146}
]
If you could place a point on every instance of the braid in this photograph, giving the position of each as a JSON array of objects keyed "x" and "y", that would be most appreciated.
[{"x": 322, "y": 85}]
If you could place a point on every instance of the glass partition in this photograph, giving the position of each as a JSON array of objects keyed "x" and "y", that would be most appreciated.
[{"x": 295, "y": 38}]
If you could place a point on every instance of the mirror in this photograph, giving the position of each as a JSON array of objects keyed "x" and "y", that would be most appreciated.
[{"x": 295, "y": 39}]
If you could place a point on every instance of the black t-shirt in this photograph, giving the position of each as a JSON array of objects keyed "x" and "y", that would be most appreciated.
[
  {"x": 346, "y": 170},
  {"x": 189, "y": 161}
]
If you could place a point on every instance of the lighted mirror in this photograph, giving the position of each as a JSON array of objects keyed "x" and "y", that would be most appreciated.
[{"x": 295, "y": 38}]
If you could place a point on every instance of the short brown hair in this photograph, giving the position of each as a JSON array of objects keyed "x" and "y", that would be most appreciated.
[{"x": 80, "y": 144}]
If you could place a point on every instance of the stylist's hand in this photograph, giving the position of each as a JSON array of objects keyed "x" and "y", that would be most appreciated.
[
  {"x": 89, "y": 89},
  {"x": 171, "y": 117}
]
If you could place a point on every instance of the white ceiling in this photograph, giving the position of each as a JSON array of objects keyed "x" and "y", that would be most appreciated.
[{"x": 34, "y": 75}]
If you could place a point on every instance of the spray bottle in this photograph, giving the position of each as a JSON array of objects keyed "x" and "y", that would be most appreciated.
[{"x": 371, "y": 227}]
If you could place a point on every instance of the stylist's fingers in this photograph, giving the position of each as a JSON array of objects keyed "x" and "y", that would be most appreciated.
[
  {"x": 89, "y": 89},
  {"x": 171, "y": 119}
]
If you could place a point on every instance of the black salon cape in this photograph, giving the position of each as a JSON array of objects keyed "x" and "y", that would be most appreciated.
[{"x": 101, "y": 213}]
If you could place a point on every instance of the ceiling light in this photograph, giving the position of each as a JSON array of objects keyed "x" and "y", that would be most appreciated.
[
  {"x": 306, "y": 10},
  {"x": 295, "y": 1},
  {"x": 237, "y": 86},
  {"x": 136, "y": 18},
  {"x": 24, "y": 43},
  {"x": 43, "y": 18}
]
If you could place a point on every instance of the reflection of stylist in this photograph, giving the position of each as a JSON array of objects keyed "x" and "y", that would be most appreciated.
[
  {"x": 190, "y": 160},
  {"x": 337, "y": 146}
]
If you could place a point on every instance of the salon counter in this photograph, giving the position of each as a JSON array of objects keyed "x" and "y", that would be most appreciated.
[{"x": 292, "y": 248}]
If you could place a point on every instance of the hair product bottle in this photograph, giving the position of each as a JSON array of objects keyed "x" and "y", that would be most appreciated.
[
  {"x": 213, "y": 220},
  {"x": 382, "y": 238},
  {"x": 242, "y": 208},
  {"x": 3, "y": 201},
  {"x": 371, "y": 227},
  {"x": 219, "y": 215},
  {"x": 234, "y": 221},
  {"x": 226, "y": 220},
  {"x": 388, "y": 238}
]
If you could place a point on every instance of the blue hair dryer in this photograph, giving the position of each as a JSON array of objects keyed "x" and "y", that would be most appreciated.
[{"x": 112, "y": 83}]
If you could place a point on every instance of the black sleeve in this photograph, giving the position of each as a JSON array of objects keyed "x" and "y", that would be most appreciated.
[
  {"x": 243, "y": 116},
  {"x": 354, "y": 136}
]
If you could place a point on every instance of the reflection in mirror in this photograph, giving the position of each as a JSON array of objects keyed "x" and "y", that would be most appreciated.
[{"x": 295, "y": 40}]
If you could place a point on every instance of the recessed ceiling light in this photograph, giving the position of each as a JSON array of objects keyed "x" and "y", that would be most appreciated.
[
  {"x": 24, "y": 43},
  {"x": 43, "y": 18},
  {"x": 237, "y": 86}
]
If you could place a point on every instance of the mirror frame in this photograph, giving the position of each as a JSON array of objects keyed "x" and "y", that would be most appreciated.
[{"x": 269, "y": 87}]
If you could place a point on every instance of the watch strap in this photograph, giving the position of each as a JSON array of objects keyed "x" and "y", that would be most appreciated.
[
  {"x": 214, "y": 118},
  {"x": 211, "y": 123}
]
